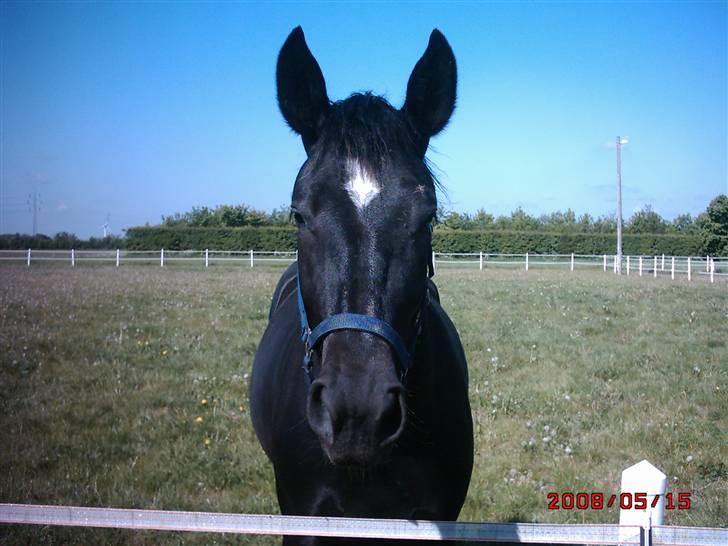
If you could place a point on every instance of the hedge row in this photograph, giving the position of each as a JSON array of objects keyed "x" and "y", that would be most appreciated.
[
  {"x": 61, "y": 241},
  {"x": 217, "y": 238},
  {"x": 518, "y": 242},
  {"x": 444, "y": 240}
]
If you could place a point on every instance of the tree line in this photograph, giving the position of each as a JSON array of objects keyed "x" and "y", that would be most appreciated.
[
  {"x": 643, "y": 221},
  {"x": 709, "y": 229}
]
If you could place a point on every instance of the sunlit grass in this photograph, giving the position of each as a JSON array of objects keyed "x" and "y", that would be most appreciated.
[{"x": 128, "y": 388}]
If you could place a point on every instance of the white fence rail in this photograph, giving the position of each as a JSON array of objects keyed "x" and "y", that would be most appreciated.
[
  {"x": 255, "y": 524},
  {"x": 707, "y": 267}
]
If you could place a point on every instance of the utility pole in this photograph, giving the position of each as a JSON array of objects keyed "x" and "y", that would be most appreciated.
[
  {"x": 620, "y": 141},
  {"x": 34, "y": 203}
]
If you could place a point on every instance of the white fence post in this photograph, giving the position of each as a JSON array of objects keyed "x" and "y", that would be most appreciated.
[
  {"x": 712, "y": 266},
  {"x": 605, "y": 262},
  {"x": 207, "y": 259},
  {"x": 663, "y": 262},
  {"x": 615, "y": 264},
  {"x": 526, "y": 261},
  {"x": 481, "y": 260},
  {"x": 572, "y": 261},
  {"x": 73, "y": 258},
  {"x": 642, "y": 479},
  {"x": 707, "y": 264},
  {"x": 672, "y": 268},
  {"x": 251, "y": 257},
  {"x": 640, "y": 266},
  {"x": 654, "y": 268},
  {"x": 161, "y": 258},
  {"x": 117, "y": 257},
  {"x": 627, "y": 264},
  {"x": 28, "y": 257},
  {"x": 689, "y": 272}
]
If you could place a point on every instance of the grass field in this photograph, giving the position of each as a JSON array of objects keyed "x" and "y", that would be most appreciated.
[{"x": 128, "y": 388}]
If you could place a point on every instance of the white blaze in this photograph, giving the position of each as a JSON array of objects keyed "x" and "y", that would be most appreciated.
[{"x": 362, "y": 188}]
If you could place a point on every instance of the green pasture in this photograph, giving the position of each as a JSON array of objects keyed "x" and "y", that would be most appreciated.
[{"x": 128, "y": 388}]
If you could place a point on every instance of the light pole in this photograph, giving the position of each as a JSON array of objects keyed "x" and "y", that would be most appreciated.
[{"x": 620, "y": 142}]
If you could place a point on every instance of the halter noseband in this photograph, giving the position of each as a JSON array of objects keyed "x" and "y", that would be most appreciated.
[{"x": 362, "y": 323}]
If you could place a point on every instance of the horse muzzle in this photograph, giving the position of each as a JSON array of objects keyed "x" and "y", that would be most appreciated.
[{"x": 356, "y": 407}]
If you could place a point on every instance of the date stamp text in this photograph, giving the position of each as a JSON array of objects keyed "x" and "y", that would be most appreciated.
[{"x": 624, "y": 501}]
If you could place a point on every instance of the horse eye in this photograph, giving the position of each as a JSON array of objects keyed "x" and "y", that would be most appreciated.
[{"x": 298, "y": 218}]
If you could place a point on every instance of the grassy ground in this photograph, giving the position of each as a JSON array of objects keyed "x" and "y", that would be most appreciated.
[{"x": 128, "y": 388}]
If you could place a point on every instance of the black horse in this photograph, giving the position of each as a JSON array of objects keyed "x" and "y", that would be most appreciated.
[{"x": 378, "y": 424}]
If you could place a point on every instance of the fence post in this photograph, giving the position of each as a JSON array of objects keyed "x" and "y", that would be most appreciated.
[
  {"x": 643, "y": 478},
  {"x": 526, "y": 261},
  {"x": 117, "y": 257},
  {"x": 73, "y": 258},
  {"x": 615, "y": 264},
  {"x": 689, "y": 275},
  {"x": 161, "y": 259},
  {"x": 627, "y": 264},
  {"x": 672, "y": 268},
  {"x": 572, "y": 261},
  {"x": 481, "y": 260},
  {"x": 707, "y": 264},
  {"x": 663, "y": 261},
  {"x": 28, "y": 257},
  {"x": 207, "y": 259},
  {"x": 712, "y": 266},
  {"x": 640, "y": 266},
  {"x": 434, "y": 268},
  {"x": 251, "y": 257},
  {"x": 654, "y": 269},
  {"x": 605, "y": 262}
]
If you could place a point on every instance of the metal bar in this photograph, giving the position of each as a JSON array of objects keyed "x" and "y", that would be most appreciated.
[
  {"x": 210, "y": 522},
  {"x": 663, "y": 535}
]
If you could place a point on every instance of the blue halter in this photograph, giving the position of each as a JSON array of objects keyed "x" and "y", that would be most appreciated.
[{"x": 354, "y": 321}]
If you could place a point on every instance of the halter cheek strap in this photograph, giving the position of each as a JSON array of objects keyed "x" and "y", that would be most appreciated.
[{"x": 353, "y": 321}]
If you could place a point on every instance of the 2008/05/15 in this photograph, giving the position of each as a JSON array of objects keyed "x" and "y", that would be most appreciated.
[{"x": 625, "y": 501}]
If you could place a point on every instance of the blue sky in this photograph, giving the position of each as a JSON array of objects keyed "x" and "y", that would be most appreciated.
[{"x": 143, "y": 109}]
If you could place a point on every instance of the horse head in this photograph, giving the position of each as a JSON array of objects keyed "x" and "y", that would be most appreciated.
[{"x": 363, "y": 201}]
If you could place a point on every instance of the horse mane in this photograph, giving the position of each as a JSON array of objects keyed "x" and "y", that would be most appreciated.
[{"x": 367, "y": 128}]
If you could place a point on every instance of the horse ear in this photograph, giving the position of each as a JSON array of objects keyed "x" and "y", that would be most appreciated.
[
  {"x": 431, "y": 88},
  {"x": 301, "y": 88}
]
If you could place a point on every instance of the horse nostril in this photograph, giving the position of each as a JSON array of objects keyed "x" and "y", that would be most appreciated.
[
  {"x": 391, "y": 420},
  {"x": 319, "y": 416}
]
